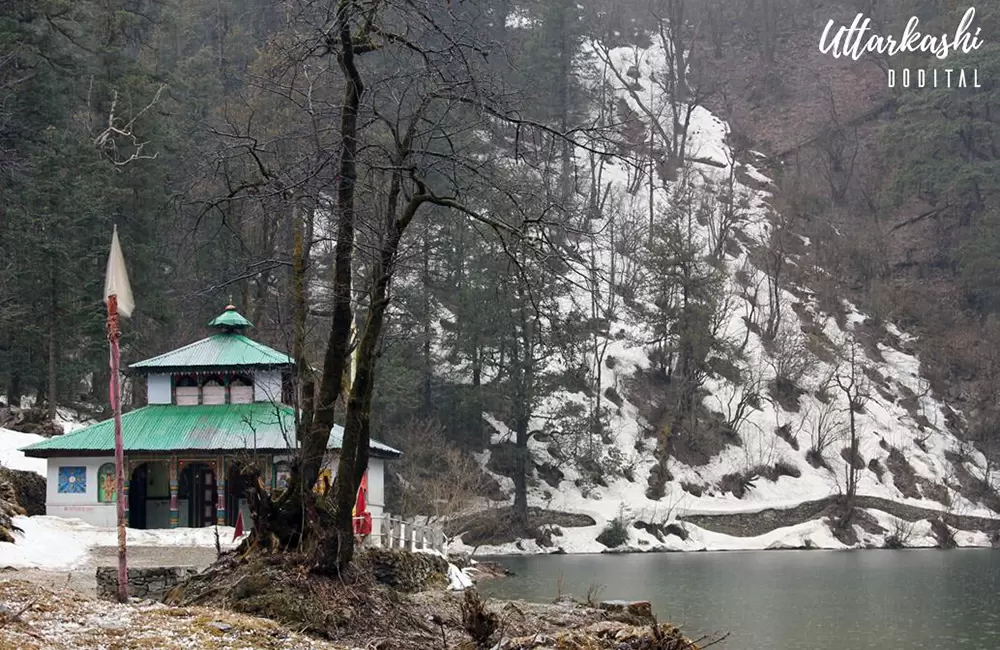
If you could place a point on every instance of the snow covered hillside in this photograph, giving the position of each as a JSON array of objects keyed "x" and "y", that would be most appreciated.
[{"x": 782, "y": 399}]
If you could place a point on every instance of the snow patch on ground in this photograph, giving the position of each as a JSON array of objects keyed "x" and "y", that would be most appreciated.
[{"x": 56, "y": 543}]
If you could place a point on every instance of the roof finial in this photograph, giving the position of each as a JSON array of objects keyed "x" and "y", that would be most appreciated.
[{"x": 230, "y": 321}]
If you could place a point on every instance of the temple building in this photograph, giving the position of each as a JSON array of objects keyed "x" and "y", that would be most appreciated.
[{"x": 213, "y": 407}]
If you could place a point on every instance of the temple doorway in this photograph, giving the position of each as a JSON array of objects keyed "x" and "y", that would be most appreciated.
[
  {"x": 137, "y": 496},
  {"x": 197, "y": 495},
  {"x": 236, "y": 495}
]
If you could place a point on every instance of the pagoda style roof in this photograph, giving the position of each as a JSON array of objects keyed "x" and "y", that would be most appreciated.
[
  {"x": 261, "y": 426},
  {"x": 227, "y": 350},
  {"x": 230, "y": 319}
]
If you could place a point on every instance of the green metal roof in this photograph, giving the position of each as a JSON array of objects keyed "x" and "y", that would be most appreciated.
[
  {"x": 169, "y": 428},
  {"x": 227, "y": 350},
  {"x": 230, "y": 319}
]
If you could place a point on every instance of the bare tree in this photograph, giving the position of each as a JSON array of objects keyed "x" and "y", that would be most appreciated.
[
  {"x": 744, "y": 398},
  {"x": 853, "y": 383},
  {"x": 827, "y": 424},
  {"x": 729, "y": 209},
  {"x": 790, "y": 359},
  {"x": 839, "y": 148}
]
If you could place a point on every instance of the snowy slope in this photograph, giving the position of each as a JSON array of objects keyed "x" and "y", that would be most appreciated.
[
  {"x": 11, "y": 456},
  {"x": 917, "y": 429}
]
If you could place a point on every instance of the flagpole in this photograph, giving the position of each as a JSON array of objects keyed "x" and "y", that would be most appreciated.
[{"x": 116, "y": 407}]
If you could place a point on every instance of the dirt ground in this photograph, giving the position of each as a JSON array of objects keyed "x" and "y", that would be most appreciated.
[{"x": 82, "y": 578}]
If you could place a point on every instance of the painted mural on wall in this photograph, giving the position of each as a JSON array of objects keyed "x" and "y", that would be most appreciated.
[
  {"x": 282, "y": 474},
  {"x": 106, "y": 483},
  {"x": 72, "y": 480}
]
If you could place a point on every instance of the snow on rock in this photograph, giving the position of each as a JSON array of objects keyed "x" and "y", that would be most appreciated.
[
  {"x": 71, "y": 420},
  {"x": 458, "y": 579}
]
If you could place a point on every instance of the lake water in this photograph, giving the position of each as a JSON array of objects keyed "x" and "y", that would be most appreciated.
[{"x": 790, "y": 600}]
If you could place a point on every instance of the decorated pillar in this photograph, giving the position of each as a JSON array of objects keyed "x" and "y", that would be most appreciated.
[
  {"x": 220, "y": 482},
  {"x": 127, "y": 464},
  {"x": 174, "y": 511}
]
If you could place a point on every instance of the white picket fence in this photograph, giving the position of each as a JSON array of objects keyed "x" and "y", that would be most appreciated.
[{"x": 395, "y": 532}]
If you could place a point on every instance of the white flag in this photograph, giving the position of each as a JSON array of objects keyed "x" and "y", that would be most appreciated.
[{"x": 116, "y": 279}]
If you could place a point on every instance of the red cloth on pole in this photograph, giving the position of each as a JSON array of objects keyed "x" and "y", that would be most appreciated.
[
  {"x": 239, "y": 526},
  {"x": 362, "y": 518}
]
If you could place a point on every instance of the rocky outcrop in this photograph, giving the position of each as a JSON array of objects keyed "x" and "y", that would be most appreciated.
[
  {"x": 29, "y": 489},
  {"x": 8, "y": 509},
  {"x": 151, "y": 583},
  {"x": 29, "y": 421}
]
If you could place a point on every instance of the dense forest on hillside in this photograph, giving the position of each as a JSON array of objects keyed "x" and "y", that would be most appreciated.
[{"x": 211, "y": 134}]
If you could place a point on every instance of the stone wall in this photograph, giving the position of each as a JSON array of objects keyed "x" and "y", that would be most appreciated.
[
  {"x": 405, "y": 570},
  {"x": 147, "y": 582}
]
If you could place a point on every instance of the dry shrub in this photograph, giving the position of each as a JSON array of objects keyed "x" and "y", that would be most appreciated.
[
  {"x": 479, "y": 623},
  {"x": 815, "y": 458},
  {"x": 737, "y": 483},
  {"x": 435, "y": 477},
  {"x": 901, "y": 534},
  {"x": 615, "y": 533},
  {"x": 785, "y": 433},
  {"x": 854, "y": 460},
  {"x": 692, "y": 488}
]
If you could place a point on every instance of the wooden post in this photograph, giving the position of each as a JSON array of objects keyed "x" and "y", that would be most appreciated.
[{"x": 396, "y": 540}]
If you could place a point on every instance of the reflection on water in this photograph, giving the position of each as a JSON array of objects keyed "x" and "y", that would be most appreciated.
[{"x": 791, "y": 600}]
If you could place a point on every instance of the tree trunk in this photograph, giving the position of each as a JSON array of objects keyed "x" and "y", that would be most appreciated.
[
  {"x": 297, "y": 517},
  {"x": 427, "y": 333},
  {"x": 53, "y": 352},
  {"x": 357, "y": 429},
  {"x": 852, "y": 471},
  {"x": 525, "y": 376},
  {"x": 14, "y": 389},
  {"x": 317, "y": 432}
]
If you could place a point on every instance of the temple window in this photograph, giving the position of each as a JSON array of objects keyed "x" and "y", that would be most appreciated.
[
  {"x": 240, "y": 390},
  {"x": 186, "y": 391},
  {"x": 213, "y": 390}
]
